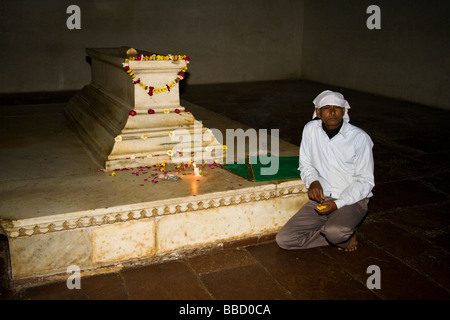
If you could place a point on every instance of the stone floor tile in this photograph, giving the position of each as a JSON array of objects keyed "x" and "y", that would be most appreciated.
[
  {"x": 166, "y": 281},
  {"x": 426, "y": 144},
  {"x": 99, "y": 287},
  {"x": 430, "y": 222},
  {"x": 440, "y": 180},
  {"x": 391, "y": 167},
  {"x": 4, "y": 263},
  {"x": 5, "y": 293},
  {"x": 397, "y": 280},
  {"x": 52, "y": 291},
  {"x": 309, "y": 274},
  {"x": 249, "y": 282},
  {"x": 104, "y": 287},
  {"x": 404, "y": 193},
  {"x": 418, "y": 253},
  {"x": 219, "y": 260}
]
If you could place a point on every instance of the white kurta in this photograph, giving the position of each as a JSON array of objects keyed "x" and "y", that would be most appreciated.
[{"x": 343, "y": 165}]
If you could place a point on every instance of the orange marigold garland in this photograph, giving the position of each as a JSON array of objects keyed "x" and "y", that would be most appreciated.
[{"x": 150, "y": 89}]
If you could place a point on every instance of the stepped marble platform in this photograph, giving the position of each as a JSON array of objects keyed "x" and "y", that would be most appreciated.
[
  {"x": 57, "y": 209},
  {"x": 125, "y": 124}
]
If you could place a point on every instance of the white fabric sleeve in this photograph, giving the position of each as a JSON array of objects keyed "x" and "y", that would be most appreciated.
[{"x": 364, "y": 180}]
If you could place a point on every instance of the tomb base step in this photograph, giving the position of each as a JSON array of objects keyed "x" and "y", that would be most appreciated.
[
  {"x": 100, "y": 239},
  {"x": 122, "y": 141}
]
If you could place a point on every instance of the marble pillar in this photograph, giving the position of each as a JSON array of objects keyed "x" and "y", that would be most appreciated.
[{"x": 124, "y": 125}]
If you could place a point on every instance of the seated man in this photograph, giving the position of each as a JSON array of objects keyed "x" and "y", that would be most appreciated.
[{"x": 336, "y": 164}]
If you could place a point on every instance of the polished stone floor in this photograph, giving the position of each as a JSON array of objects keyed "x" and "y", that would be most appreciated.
[{"x": 406, "y": 233}]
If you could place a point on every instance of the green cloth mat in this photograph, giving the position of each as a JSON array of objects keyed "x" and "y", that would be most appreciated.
[{"x": 287, "y": 168}]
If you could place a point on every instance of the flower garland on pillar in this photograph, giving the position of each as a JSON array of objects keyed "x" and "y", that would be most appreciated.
[{"x": 150, "y": 89}]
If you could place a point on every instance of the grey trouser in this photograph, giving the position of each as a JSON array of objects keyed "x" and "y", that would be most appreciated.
[{"x": 308, "y": 229}]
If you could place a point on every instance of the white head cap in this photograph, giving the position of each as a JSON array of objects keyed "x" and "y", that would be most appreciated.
[{"x": 330, "y": 98}]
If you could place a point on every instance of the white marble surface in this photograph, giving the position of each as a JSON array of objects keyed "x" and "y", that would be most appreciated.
[
  {"x": 58, "y": 209},
  {"x": 101, "y": 111},
  {"x": 46, "y": 170}
]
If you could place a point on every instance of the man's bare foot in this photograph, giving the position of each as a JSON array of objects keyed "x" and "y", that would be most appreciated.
[{"x": 352, "y": 244}]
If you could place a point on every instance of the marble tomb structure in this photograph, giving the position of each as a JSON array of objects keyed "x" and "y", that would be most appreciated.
[{"x": 76, "y": 219}]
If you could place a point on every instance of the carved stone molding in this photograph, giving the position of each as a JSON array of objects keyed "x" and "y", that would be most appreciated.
[{"x": 98, "y": 217}]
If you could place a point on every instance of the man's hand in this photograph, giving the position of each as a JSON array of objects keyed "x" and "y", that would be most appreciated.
[
  {"x": 326, "y": 207},
  {"x": 315, "y": 192}
]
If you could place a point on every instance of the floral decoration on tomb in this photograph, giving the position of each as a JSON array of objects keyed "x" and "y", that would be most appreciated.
[
  {"x": 151, "y": 90},
  {"x": 132, "y": 113},
  {"x": 157, "y": 172}
]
